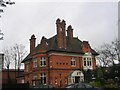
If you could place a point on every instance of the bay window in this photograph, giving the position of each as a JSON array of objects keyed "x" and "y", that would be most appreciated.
[{"x": 87, "y": 62}]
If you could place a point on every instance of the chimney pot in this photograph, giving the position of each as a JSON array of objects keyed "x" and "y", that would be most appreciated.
[
  {"x": 33, "y": 36},
  {"x": 57, "y": 21},
  {"x": 69, "y": 27},
  {"x": 63, "y": 22}
]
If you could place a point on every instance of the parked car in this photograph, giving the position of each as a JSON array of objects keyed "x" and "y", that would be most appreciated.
[
  {"x": 43, "y": 86},
  {"x": 82, "y": 86}
]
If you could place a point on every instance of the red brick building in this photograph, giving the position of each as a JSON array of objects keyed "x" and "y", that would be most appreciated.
[
  {"x": 14, "y": 76},
  {"x": 59, "y": 59}
]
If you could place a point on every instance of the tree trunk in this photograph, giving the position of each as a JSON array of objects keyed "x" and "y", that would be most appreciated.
[{"x": 8, "y": 76}]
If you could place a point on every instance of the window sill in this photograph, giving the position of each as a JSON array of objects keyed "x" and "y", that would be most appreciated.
[
  {"x": 42, "y": 66},
  {"x": 73, "y": 65}
]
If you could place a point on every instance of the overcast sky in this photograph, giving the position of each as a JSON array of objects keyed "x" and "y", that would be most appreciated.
[{"x": 96, "y": 22}]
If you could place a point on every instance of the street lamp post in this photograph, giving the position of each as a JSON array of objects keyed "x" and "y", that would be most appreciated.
[
  {"x": 116, "y": 76},
  {"x": 93, "y": 77}
]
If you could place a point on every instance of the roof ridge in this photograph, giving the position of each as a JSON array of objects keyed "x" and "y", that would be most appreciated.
[{"x": 52, "y": 37}]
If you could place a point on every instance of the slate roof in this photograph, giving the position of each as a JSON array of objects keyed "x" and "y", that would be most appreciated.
[{"x": 74, "y": 46}]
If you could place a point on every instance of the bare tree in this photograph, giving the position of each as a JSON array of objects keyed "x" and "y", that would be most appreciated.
[
  {"x": 14, "y": 55},
  {"x": 7, "y": 58},
  {"x": 4, "y": 3},
  {"x": 18, "y": 53},
  {"x": 116, "y": 47},
  {"x": 104, "y": 58},
  {"x": 7, "y": 62},
  {"x": 109, "y": 53}
]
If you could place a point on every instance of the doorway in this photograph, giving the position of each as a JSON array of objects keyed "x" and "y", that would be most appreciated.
[{"x": 77, "y": 79}]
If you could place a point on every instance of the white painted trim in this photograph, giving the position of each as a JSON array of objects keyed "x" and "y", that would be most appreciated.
[
  {"x": 76, "y": 73},
  {"x": 67, "y": 54},
  {"x": 87, "y": 67}
]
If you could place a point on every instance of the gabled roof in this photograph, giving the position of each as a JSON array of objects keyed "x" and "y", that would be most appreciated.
[
  {"x": 74, "y": 46},
  {"x": 27, "y": 58},
  {"x": 71, "y": 73}
]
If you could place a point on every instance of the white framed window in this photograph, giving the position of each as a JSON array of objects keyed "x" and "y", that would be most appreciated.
[
  {"x": 84, "y": 61},
  {"x": 73, "y": 80},
  {"x": 43, "y": 78},
  {"x": 42, "y": 61},
  {"x": 35, "y": 77},
  {"x": 87, "y": 62},
  {"x": 65, "y": 81},
  {"x": 73, "y": 62},
  {"x": 35, "y": 63},
  {"x": 33, "y": 83},
  {"x": 56, "y": 81},
  {"x": 27, "y": 67},
  {"x": 69, "y": 80},
  {"x": 50, "y": 81},
  {"x": 22, "y": 81}
]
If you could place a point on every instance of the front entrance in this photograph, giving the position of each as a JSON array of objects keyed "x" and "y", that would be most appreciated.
[{"x": 77, "y": 79}]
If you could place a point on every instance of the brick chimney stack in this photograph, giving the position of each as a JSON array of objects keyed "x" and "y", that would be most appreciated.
[
  {"x": 70, "y": 32},
  {"x": 63, "y": 25},
  {"x": 32, "y": 43},
  {"x": 61, "y": 33},
  {"x": 86, "y": 47}
]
